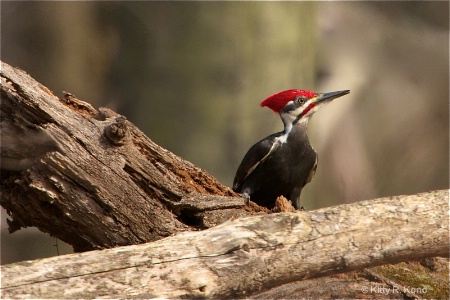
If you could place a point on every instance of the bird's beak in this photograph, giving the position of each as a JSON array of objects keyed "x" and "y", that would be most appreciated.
[{"x": 326, "y": 97}]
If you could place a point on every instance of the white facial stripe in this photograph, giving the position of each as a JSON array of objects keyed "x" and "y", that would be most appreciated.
[
  {"x": 298, "y": 111},
  {"x": 292, "y": 116}
]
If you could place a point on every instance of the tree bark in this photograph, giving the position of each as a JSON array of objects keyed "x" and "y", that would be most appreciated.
[
  {"x": 91, "y": 178},
  {"x": 247, "y": 255}
]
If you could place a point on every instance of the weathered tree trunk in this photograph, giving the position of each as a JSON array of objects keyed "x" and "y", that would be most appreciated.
[
  {"x": 247, "y": 255},
  {"x": 92, "y": 179}
]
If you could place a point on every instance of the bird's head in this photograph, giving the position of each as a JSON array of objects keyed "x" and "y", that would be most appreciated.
[{"x": 299, "y": 105}]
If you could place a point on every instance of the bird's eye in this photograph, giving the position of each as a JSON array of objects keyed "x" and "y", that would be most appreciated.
[{"x": 300, "y": 100}]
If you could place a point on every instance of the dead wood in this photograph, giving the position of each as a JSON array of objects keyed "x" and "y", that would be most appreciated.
[
  {"x": 247, "y": 255},
  {"x": 91, "y": 178}
]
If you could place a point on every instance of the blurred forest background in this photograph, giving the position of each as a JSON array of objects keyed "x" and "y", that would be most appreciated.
[{"x": 191, "y": 76}]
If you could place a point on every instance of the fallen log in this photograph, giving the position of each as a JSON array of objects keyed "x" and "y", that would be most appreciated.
[{"x": 247, "y": 255}]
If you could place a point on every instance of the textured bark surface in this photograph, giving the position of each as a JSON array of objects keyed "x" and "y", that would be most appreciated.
[
  {"x": 248, "y": 255},
  {"x": 91, "y": 178}
]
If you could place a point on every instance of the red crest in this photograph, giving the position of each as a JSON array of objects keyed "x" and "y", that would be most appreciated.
[{"x": 279, "y": 100}]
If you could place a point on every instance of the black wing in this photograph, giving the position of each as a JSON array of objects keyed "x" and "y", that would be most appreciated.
[{"x": 255, "y": 155}]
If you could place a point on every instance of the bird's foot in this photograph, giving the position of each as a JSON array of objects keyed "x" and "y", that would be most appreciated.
[{"x": 246, "y": 197}]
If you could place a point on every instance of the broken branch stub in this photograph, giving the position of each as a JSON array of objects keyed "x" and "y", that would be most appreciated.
[{"x": 91, "y": 178}]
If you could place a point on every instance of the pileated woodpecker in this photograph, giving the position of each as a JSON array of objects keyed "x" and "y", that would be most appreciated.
[{"x": 282, "y": 163}]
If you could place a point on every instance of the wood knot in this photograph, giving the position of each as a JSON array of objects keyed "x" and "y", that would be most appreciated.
[
  {"x": 106, "y": 113},
  {"x": 118, "y": 132}
]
